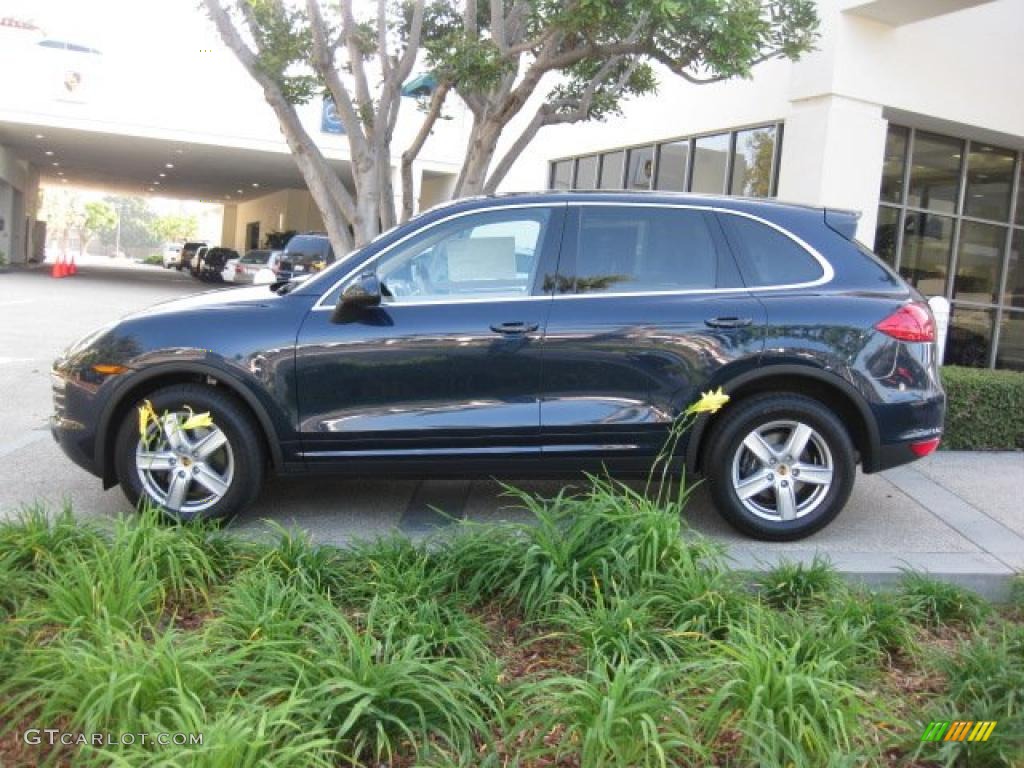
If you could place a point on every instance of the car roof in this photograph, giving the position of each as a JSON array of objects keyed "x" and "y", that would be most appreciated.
[{"x": 730, "y": 202}]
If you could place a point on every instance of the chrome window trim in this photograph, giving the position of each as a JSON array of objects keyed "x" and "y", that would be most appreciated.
[{"x": 828, "y": 273}]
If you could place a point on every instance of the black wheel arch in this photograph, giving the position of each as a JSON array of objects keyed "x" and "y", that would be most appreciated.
[
  {"x": 149, "y": 380},
  {"x": 824, "y": 386}
]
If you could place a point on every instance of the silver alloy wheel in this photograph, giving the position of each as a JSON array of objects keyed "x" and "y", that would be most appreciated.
[
  {"x": 782, "y": 471},
  {"x": 184, "y": 471}
]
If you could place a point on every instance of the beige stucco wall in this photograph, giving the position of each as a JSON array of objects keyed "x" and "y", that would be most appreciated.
[{"x": 276, "y": 212}]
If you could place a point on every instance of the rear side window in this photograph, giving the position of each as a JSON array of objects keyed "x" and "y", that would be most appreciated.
[
  {"x": 767, "y": 256},
  {"x": 641, "y": 249}
]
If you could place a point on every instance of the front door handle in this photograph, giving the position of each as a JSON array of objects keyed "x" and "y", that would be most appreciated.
[
  {"x": 516, "y": 327},
  {"x": 728, "y": 322}
]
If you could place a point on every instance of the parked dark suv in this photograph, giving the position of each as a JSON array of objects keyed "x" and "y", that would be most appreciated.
[
  {"x": 526, "y": 334},
  {"x": 305, "y": 254}
]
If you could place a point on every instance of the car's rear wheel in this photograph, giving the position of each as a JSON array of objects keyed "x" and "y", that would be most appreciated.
[
  {"x": 209, "y": 472},
  {"x": 780, "y": 466}
]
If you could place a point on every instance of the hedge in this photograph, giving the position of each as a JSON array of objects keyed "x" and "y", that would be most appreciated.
[{"x": 984, "y": 409}]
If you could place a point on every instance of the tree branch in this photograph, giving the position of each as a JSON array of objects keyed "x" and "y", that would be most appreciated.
[
  {"x": 323, "y": 62},
  {"x": 355, "y": 59},
  {"x": 412, "y": 152},
  {"x": 548, "y": 114},
  {"x": 498, "y": 24}
]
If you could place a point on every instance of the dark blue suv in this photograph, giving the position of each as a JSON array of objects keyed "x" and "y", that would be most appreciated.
[{"x": 528, "y": 334}]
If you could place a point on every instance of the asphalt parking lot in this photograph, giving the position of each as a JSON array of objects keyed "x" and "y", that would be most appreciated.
[{"x": 956, "y": 514}]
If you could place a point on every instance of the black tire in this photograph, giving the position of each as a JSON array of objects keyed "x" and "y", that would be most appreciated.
[
  {"x": 231, "y": 417},
  {"x": 760, "y": 412}
]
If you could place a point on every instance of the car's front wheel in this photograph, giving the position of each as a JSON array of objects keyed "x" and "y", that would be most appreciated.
[
  {"x": 780, "y": 466},
  {"x": 199, "y": 470}
]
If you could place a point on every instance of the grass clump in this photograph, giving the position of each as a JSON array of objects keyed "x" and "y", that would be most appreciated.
[
  {"x": 934, "y": 603},
  {"x": 796, "y": 584}
]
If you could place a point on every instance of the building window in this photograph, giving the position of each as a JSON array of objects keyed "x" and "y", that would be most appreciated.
[
  {"x": 612, "y": 167},
  {"x": 561, "y": 175},
  {"x": 640, "y": 168},
  {"x": 672, "y": 162},
  {"x": 950, "y": 221},
  {"x": 710, "y": 160},
  {"x": 753, "y": 163},
  {"x": 586, "y": 173},
  {"x": 743, "y": 162}
]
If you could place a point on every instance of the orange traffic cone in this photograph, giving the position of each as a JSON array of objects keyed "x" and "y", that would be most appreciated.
[
  {"x": 72, "y": 269},
  {"x": 58, "y": 267}
]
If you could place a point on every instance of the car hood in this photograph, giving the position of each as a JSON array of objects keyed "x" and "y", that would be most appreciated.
[{"x": 221, "y": 299}]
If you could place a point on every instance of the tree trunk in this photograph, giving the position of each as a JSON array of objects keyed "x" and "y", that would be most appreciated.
[{"x": 483, "y": 142}]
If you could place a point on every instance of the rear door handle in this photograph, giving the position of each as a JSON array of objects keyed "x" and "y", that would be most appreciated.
[
  {"x": 518, "y": 326},
  {"x": 728, "y": 322}
]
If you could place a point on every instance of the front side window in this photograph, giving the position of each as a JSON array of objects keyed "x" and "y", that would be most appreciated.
[
  {"x": 641, "y": 249},
  {"x": 767, "y": 256},
  {"x": 493, "y": 254}
]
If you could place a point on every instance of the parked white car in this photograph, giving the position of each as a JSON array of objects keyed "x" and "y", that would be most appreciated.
[
  {"x": 172, "y": 255},
  {"x": 257, "y": 267}
]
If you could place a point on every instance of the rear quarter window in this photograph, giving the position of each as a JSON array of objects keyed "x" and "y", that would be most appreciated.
[{"x": 767, "y": 256}]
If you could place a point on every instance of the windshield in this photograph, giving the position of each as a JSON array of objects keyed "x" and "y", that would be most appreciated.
[{"x": 256, "y": 257}]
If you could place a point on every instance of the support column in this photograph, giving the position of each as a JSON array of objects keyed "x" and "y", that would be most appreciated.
[
  {"x": 832, "y": 155},
  {"x": 229, "y": 226}
]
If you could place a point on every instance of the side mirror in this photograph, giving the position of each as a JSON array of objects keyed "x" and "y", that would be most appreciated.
[{"x": 363, "y": 292}]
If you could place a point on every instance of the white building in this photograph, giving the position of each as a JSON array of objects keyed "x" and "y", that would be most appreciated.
[{"x": 910, "y": 111}]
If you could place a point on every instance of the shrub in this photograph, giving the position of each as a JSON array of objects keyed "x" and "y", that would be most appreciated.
[
  {"x": 793, "y": 584},
  {"x": 984, "y": 410},
  {"x": 624, "y": 715},
  {"x": 934, "y": 603},
  {"x": 790, "y": 702}
]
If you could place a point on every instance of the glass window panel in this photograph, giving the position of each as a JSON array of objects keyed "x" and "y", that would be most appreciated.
[
  {"x": 935, "y": 172},
  {"x": 487, "y": 255},
  {"x": 989, "y": 182},
  {"x": 672, "y": 166},
  {"x": 640, "y": 168},
  {"x": 1020, "y": 195},
  {"x": 612, "y": 164},
  {"x": 894, "y": 164},
  {"x": 769, "y": 257},
  {"x": 634, "y": 248},
  {"x": 927, "y": 245},
  {"x": 979, "y": 262},
  {"x": 752, "y": 162},
  {"x": 969, "y": 337},
  {"x": 1014, "y": 296},
  {"x": 1011, "y": 342},
  {"x": 887, "y": 234},
  {"x": 561, "y": 174},
  {"x": 710, "y": 158},
  {"x": 586, "y": 173}
]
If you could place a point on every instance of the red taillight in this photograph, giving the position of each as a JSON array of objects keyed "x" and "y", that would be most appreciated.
[
  {"x": 924, "y": 447},
  {"x": 911, "y": 322}
]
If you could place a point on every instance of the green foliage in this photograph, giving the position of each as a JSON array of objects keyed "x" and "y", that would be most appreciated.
[
  {"x": 793, "y": 584},
  {"x": 285, "y": 43},
  {"x": 984, "y": 409},
  {"x": 174, "y": 228},
  {"x": 986, "y": 682},
  {"x": 136, "y": 223},
  {"x": 788, "y": 699},
  {"x": 935, "y": 603},
  {"x": 100, "y": 216},
  {"x": 603, "y": 634},
  {"x": 624, "y": 715}
]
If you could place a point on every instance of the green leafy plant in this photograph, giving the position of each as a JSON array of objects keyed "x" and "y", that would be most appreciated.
[
  {"x": 984, "y": 409},
  {"x": 935, "y": 602},
  {"x": 620, "y": 715},
  {"x": 793, "y": 584}
]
